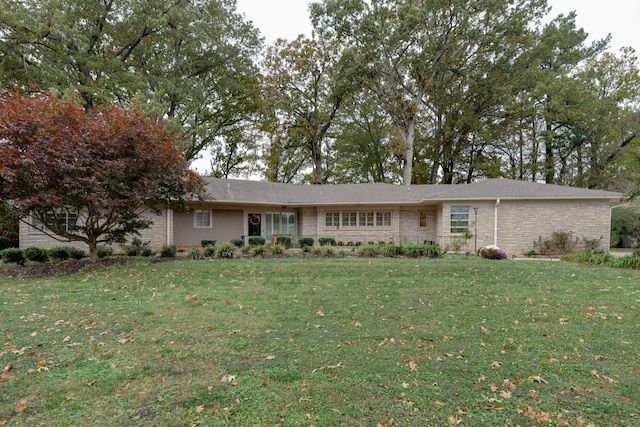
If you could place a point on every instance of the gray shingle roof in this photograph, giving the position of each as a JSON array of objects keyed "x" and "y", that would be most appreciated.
[{"x": 271, "y": 193}]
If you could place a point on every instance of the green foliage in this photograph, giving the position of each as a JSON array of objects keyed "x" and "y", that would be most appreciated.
[
  {"x": 284, "y": 241},
  {"x": 326, "y": 241},
  {"x": 370, "y": 251},
  {"x": 168, "y": 251},
  {"x": 36, "y": 254},
  {"x": 210, "y": 251},
  {"x": 278, "y": 249},
  {"x": 560, "y": 243},
  {"x": 256, "y": 240},
  {"x": 258, "y": 250},
  {"x": 604, "y": 259},
  {"x": 138, "y": 248},
  {"x": 195, "y": 253},
  {"x": 238, "y": 243},
  {"x": 4, "y": 242},
  {"x": 305, "y": 241},
  {"x": 228, "y": 250},
  {"x": 104, "y": 251},
  {"x": 60, "y": 253},
  {"x": 205, "y": 243},
  {"x": 400, "y": 250},
  {"x": 12, "y": 255}
]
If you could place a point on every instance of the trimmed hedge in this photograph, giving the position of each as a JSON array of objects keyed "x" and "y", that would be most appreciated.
[
  {"x": 257, "y": 241},
  {"x": 284, "y": 241},
  {"x": 168, "y": 251},
  {"x": 4, "y": 242},
  {"x": 206, "y": 243},
  {"x": 36, "y": 254},
  {"x": 12, "y": 255},
  {"x": 326, "y": 241},
  {"x": 238, "y": 243},
  {"x": 305, "y": 241}
]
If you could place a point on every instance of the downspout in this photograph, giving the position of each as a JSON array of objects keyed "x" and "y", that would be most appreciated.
[
  {"x": 169, "y": 221},
  {"x": 495, "y": 223}
]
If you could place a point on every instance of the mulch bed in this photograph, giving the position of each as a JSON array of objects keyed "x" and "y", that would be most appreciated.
[{"x": 63, "y": 268}]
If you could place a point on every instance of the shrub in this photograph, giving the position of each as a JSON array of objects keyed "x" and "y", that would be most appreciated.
[
  {"x": 258, "y": 250},
  {"x": 305, "y": 241},
  {"x": 11, "y": 255},
  {"x": 369, "y": 251},
  {"x": 284, "y": 241},
  {"x": 392, "y": 250},
  {"x": 195, "y": 253},
  {"x": 168, "y": 251},
  {"x": 4, "y": 242},
  {"x": 36, "y": 254},
  {"x": 278, "y": 249},
  {"x": 228, "y": 250},
  {"x": 206, "y": 243},
  {"x": 591, "y": 245},
  {"x": 560, "y": 243},
  {"x": 104, "y": 251},
  {"x": 492, "y": 252},
  {"x": 137, "y": 248},
  {"x": 327, "y": 241},
  {"x": 76, "y": 253},
  {"x": 238, "y": 243},
  {"x": 210, "y": 251},
  {"x": 60, "y": 253},
  {"x": 256, "y": 241}
]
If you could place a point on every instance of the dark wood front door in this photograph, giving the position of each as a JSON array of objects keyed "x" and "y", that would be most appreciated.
[{"x": 255, "y": 224}]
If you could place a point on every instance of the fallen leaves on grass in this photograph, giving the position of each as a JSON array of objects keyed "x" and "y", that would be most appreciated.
[
  {"x": 20, "y": 407},
  {"x": 230, "y": 379},
  {"x": 7, "y": 373}
]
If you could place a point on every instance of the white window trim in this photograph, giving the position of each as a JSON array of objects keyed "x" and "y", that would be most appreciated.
[{"x": 195, "y": 218}]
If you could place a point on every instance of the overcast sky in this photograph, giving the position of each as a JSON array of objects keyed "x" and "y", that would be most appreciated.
[{"x": 621, "y": 18}]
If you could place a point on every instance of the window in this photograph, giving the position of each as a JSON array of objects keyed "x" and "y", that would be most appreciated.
[
  {"x": 332, "y": 219},
  {"x": 459, "y": 219},
  {"x": 62, "y": 219},
  {"x": 366, "y": 219},
  {"x": 280, "y": 223},
  {"x": 383, "y": 219},
  {"x": 423, "y": 218},
  {"x": 349, "y": 219},
  {"x": 202, "y": 219}
]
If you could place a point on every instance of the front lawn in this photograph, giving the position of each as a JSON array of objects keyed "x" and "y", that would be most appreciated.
[{"x": 323, "y": 342}]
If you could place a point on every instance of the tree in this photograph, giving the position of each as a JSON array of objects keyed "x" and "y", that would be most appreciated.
[
  {"x": 188, "y": 61},
  {"x": 88, "y": 176},
  {"x": 305, "y": 87}
]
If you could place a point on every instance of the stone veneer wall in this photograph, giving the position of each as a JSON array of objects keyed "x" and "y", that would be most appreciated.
[{"x": 156, "y": 235}]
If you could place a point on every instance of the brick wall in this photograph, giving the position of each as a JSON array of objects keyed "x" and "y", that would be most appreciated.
[{"x": 156, "y": 235}]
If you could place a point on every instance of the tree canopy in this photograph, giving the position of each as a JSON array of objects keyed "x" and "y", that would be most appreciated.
[{"x": 88, "y": 176}]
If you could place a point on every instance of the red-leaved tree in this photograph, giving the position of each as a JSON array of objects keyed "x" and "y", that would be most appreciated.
[{"x": 103, "y": 169}]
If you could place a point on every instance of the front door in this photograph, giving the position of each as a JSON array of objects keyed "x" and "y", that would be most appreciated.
[{"x": 255, "y": 224}]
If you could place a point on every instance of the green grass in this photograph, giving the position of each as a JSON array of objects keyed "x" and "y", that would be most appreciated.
[{"x": 354, "y": 342}]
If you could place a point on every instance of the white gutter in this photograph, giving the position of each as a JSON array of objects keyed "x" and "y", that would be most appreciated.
[{"x": 495, "y": 223}]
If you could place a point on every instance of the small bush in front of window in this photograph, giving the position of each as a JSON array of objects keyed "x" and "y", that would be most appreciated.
[
  {"x": 238, "y": 243},
  {"x": 205, "y": 243},
  {"x": 36, "y": 254},
  {"x": 60, "y": 253},
  {"x": 104, "y": 251},
  {"x": 168, "y": 251},
  {"x": 12, "y": 255},
  {"x": 258, "y": 250},
  {"x": 305, "y": 241},
  {"x": 326, "y": 241},
  {"x": 284, "y": 241},
  {"x": 257, "y": 241}
]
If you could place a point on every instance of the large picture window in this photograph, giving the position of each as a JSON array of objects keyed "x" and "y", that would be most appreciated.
[
  {"x": 459, "y": 219},
  {"x": 280, "y": 223},
  {"x": 202, "y": 219}
]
